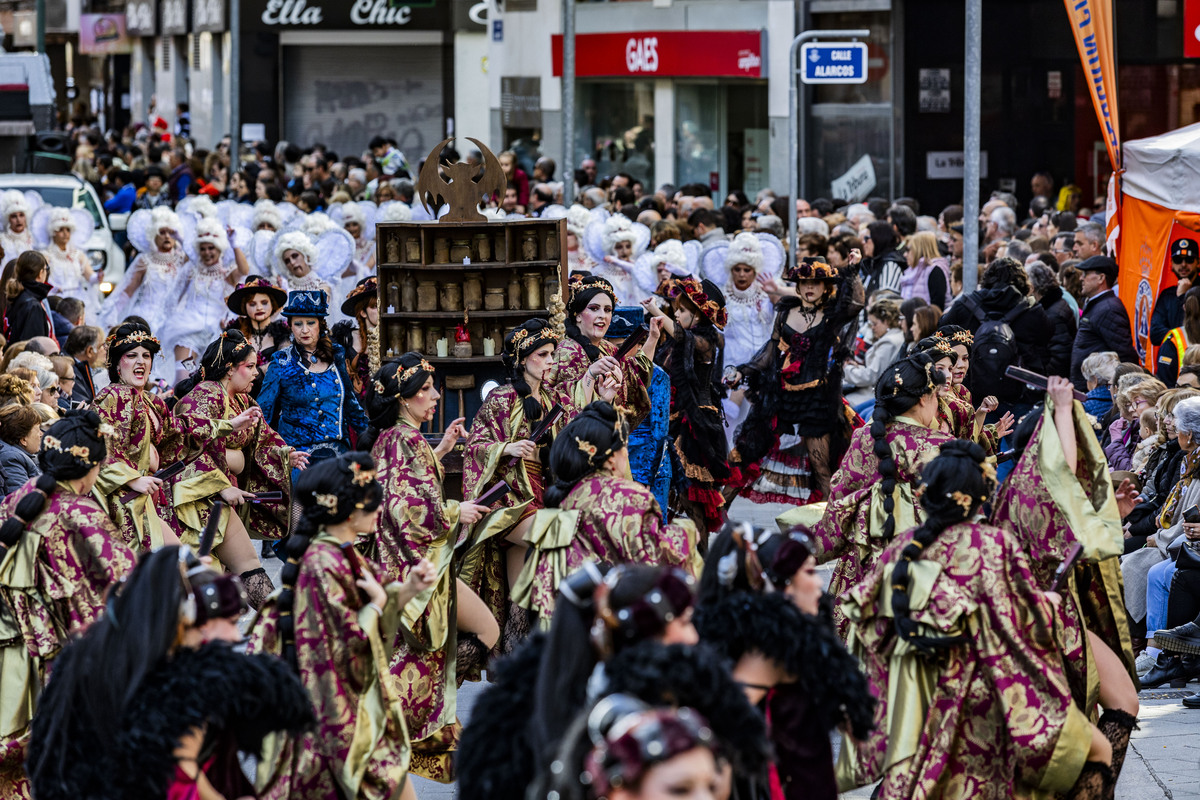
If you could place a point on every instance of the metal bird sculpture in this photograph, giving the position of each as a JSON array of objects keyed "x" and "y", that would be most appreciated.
[{"x": 462, "y": 187}]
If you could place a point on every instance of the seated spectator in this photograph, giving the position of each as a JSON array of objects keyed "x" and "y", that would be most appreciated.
[
  {"x": 1189, "y": 377},
  {"x": 45, "y": 380},
  {"x": 64, "y": 368},
  {"x": 1149, "y": 572},
  {"x": 1098, "y": 371},
  {"x": 908, "y": 309},
  {"x": 1131, "y": 401},
  {"x": 858, "y": 379},
  {"x": 1149, "y": 437},
  {"x": 20, "y": 440}
]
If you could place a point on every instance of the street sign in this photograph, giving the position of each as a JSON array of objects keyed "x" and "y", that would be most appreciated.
[{"x": 833, "y": 62}]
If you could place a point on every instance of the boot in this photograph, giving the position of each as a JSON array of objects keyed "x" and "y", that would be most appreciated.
[
  {"x": 1117, "y": 725},
  {"x": 258, "y": 587},
  {"x": 517, "y": 626},
  {"x": 1095, "y": 783},
  {"x": 472, "y": 655},
  {"x": 1167, "y": 669},
  {"x": 1192, "y": 701},
  {"x": 1181, "y": 639}
]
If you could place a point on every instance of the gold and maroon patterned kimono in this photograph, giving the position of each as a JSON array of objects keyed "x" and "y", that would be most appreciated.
[
  {"x": 52, "y": 586},
  {"x": 202, "y": 416},
  {"x": 499, "y": 422},
  {"x": 956, "y": 417},
  {"x": 851, "y": 527},
  {"x": 142, "y": 426},
  {"x": 418, "y": 522},
  {"x": 988, "y": 718},
  {"x": 605, "y": 518},
  {"x": 571, "y": 364},
  {"x": 1048, "y": 509},
  {"x": 360, "y": 750}
]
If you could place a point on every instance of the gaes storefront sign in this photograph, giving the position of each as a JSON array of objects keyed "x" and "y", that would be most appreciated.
[{"x": 348, "y": 14}]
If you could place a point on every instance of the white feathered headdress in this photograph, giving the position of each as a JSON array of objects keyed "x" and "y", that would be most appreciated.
[
  {"x": 60, "y": 218},
  {"x": 298, "y": 241},
  {"x": 266, "y": 212},
  {"x": 210, "y": 231},
  {"x": 352, "y": 213},
  {"x": 745, "y": 249},
  {"x": 317, "y": 223},
  {"x": 163, "y": 218},
  {"x": 618, "y": 228},
  {"x": 13, "y": 202},
  {"x": 578, "y": 218},
  {"x": 394, "y": 211}
]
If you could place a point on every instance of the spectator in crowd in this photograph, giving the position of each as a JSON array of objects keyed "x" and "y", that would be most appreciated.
[
  {"x": 181, "y": 177},
  {"x": 153, "y": 194},
  {"x": 928, "y": 272},
  {"x": 1105, "y": 322},
  {"x": 1089, "y": 241},
  {"x": 882, "y": 264},
  {"x": 125, "y": 194},
  {"x": 1168, "y": 308},
  {"x": 887, "y": 345},
  {"x": 1063, "y": 321},
  {"x": 1098, "y": 369},
  {"x": 391, "y": 161},
  {"x": 27, "y": 316},
  {"x": 20, "y": 440},
  {"x": 85, "y": 345}
]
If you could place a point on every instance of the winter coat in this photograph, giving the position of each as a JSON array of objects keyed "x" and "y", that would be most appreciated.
[
  {"x": 16, "y": 467},
  {"x": 1031, "y": 329},
  {"x": 882, "y": 272},
  {"x": 1103, "y": 326},
  {"x": 26, "y": 316},
  {"x": 1063, "y": 324},
  {"x": 860, "y": 378}
]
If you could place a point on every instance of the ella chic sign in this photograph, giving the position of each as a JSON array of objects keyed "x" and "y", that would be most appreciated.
[
  {"x": 721, "y": 54},
  {"x": 344, "y": 14}
]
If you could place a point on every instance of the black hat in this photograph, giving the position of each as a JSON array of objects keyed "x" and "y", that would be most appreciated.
[
  {"x": 1101, "y": 264},
  {"x": 1184, "y": 250},
  {"x": 363, "y": 293},
  {"x": 255, "y": 284}
]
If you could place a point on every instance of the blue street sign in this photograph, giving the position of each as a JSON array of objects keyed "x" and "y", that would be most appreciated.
[{"x": 833, "y": 62}]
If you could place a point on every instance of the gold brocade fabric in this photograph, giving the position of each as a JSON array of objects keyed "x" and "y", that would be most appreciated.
[
  {"x": 990, "y": 717},
  {"x": 361, "y": 749}
]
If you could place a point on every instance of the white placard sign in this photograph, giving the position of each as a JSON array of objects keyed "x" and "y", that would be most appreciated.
[
  {"x": 858, "y": 181},
  {"x": 948, "y": 164}
]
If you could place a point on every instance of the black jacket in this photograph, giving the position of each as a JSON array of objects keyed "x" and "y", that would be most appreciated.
[
  {"x": 1168, "y": 314},
  {"x": 1032, "y": 330},
  {"x": 1063, "y": 323},
  {"x": 1103, "y": 326},
  {"x": 85, "y": 385},
  {"x": 26, "y": 316}
]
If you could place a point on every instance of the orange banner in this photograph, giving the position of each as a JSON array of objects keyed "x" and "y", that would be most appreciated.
[{"x": 1091, "y": 24}]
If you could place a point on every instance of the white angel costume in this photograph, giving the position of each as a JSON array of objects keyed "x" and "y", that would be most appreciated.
[
  {"x": 364, "y": 212},
  {"x": 199, "y": 306},
  {"x": 12, "y": 202},
  {"x": 751, "y": 313},
  {"x": 600, "y": 239},
  {"x": 267, "y": 216},
  {"x": 71, "y": 272},
  {"x": 578, "y": 218},
  {"x": 670, "y": 255},
  {"x": 329, "y": 254}
]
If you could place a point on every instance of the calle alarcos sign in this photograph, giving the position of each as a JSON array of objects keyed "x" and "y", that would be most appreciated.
[
  {"x": 726, "y": 54},
  {"x": 346, "y": 14}
]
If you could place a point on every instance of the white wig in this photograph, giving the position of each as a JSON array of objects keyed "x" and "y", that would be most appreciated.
[
  {"x": 578, "y": 218},
  {"x": 618, "y": 228},
  {"x": 60, "y": 218},
  {"x": 203, "y": 206},
  {"x": 317, "y": 223},
  {"x": 744, "y": 249},
  {"x": 266, "y": 212},
  {"x": 669, "y": 254},
  {"x": 163, "y": 219},
  {"x": 211, "y": 231},
  {"x": 394, "y": 211},
  {"x": 352, "y": 213},
  {"x": 14, "y": 201},
  {"x": 298, "y": 241}
]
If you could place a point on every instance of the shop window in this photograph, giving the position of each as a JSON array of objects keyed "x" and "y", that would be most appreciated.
[
  {"x": 698, "y": 114},
  {"x": 614, "y": 124}
]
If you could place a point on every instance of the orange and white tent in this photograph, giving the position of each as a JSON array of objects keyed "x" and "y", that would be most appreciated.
[{"x": 1160, "y": 202}]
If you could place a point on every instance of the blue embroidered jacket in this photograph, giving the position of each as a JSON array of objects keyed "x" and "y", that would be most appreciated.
[{"x": 308, "y": 408}]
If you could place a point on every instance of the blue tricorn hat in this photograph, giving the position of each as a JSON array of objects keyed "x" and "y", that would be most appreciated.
[{"x": 309, "y": 303}]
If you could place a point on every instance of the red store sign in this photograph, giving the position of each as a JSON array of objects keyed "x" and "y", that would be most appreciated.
[{"x": 668, "y": 54}]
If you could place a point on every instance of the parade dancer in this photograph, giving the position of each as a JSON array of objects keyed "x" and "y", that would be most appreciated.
[
  {"x": 256, "y": 301},
  {"x": 60, "y": 555},
  {"x": 874, "y": 491},
  {"x": 335, "y": 622},
  {"x": 762, "y": 607},
  {"x": 230, "y": 451},
  {"x": 71, "y": 270},
  {"x": 449, "y": 630},
  {"x": 148, "y": 285},
  {"x": 751, "y": 314},
  {"x": 307, "y": 395},
  {"x": 584, "y": 358},
  {"x": 16, "y": 236},
  {"x": 1058, "y": 494},
  {"x": 499, "y": 449},
  {"x": 955, "y": 415},
  {"x": 142, "y": 430},
  {"x": 622, "y": 240},
  {"x": 956, "y": 637},
  {"x": 691, "y": 356},
  {"x": 200, "y": 308},
  {"x": 605, "y": 516},
  {"x": 153, "y": 701},
  {"x": 294, "y": 258},
  {"x": 359, "y": 335},
  {"x": 798, "y": 427}
]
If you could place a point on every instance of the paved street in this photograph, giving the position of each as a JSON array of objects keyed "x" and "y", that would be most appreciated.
[{"x": 1163, "y": 761}]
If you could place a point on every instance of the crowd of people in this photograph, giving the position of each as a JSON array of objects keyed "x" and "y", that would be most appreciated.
[{"x": 227, "y": 404}]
